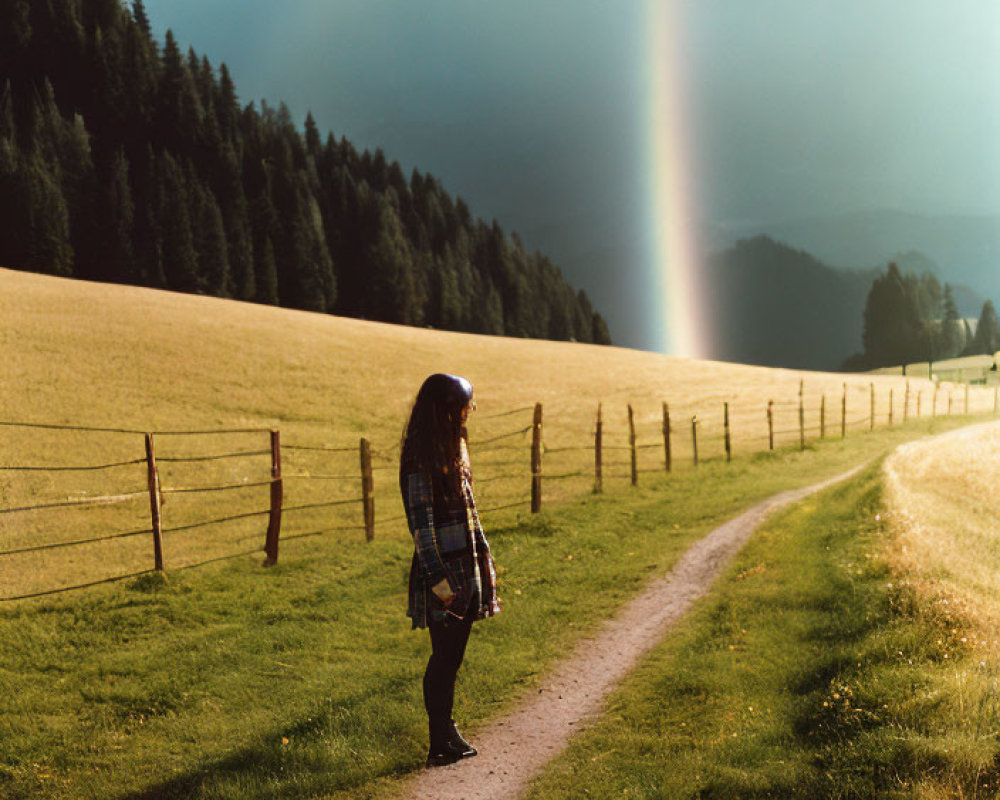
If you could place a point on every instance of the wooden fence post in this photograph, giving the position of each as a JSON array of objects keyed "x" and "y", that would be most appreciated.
[
  {"x": 631, "y": 444},
  {"x": 277, "y": 496},
  {"x": 822, "y": 416},
  {"x": 890, "y": 408},
  {"x": 871, "y": 415},
  {"x": 598, "y": 433},
  {"x": 949, "y": 402},
  {"x": 666, "y": 435},
  {"x": 367, "y": 488},
  {"x": 920, "y": 393},
  {"x": 802, "y": 417},
  {"x": 906, "y": 403},
  {"x": 536, "y": 460},
  {"x": 770, "y": 424},
  {"x": 843, "y": 413},
  {"x": 154, "y": 503},
  {"x": 694, "y": 438},
  {"x": 725, "y": 423}
]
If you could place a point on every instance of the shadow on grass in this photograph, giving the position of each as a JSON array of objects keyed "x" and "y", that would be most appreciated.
[{"x": 315, "y": 755}]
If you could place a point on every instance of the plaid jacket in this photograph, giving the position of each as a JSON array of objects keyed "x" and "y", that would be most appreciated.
[{"x": 448, "y": 545}]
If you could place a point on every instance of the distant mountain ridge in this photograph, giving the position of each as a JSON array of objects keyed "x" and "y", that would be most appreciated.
[
  {"x": 778, "y": 306},
  {"x": 966, "y": 247}
]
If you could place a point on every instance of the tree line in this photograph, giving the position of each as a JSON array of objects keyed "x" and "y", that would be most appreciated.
[
  {"x": 909, "y": 318},
  {"x": 125, "y": 161}
]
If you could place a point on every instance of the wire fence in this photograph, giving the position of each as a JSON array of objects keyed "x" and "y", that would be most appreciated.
[{"x": 201, "y": 506}]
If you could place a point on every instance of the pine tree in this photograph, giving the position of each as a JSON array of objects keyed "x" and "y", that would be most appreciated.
[
  {"x": 987, "y": 338},
  {"x": 893, "y": 330},
  {"x": 951, "y": 336},
  {"x": 142, "y": 18},
  {"x": 391, "y": 291},
  {"x": 117, "y": 222},
  {"x": 180, "y": 260}
]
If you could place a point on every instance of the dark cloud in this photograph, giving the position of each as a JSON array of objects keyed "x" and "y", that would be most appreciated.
[{"x": 534, "y": 112}]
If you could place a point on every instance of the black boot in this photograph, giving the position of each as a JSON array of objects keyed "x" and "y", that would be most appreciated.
[
  {"x": 443, "y": 750},
  {"x": 458, "y": 742}
]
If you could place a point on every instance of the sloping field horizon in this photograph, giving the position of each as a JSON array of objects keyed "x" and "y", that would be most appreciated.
[{"x": 83, "y": 353}]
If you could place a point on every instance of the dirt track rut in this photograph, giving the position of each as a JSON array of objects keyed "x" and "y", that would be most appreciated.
[{"x": 513, "y": 749}]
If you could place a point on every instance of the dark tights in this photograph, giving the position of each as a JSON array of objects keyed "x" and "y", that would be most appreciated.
[{"x": 448, "y": 640}]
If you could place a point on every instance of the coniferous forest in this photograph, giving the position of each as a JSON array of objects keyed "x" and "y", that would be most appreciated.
[{"x": 125, "y": 160}]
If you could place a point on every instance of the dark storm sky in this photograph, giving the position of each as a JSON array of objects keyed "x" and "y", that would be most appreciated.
[{"x": 536, "y": 112}]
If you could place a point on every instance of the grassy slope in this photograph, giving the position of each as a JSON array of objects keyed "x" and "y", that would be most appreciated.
[
  {"x": 815, "y": 669},
  {"x": 132, "y": 691},
  {"x": 190, "y": 690},
  {"x": 103, "y": 355}
]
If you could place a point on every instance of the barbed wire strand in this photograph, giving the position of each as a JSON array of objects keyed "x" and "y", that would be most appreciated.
[
  {"x": 326, "y": 477},
  {"x": 508, "y": 413},
  {"x": 358, "y": 528},
  {"x": 54, "y": 545},
  {"x": 320, "y": 448},
  {"x": 76, "y": 586},
  {"x": 215, "y": 521},
  {"x": 323, "y": 505},
  {"x": 103, "y": 499},
  {"x": 217, "y": 488},
  {"x": 49, "y": 426},
  {"x": 68, "y": 469},
  {"x": 481, "y": 442},
  {"x": 180, "y": 459}
]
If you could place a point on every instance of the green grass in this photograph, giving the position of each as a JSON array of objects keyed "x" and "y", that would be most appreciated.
[
  {"x": 808, "y": 672},
  {"x": 304, "y": 680}
]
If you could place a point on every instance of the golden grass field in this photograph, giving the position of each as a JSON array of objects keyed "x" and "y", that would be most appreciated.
[
  {"x": 945, "y": 505},
  {"x": 100, "y": 355}
]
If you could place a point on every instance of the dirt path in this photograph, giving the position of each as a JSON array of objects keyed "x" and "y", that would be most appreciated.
[{"x": 514, "y": 748}]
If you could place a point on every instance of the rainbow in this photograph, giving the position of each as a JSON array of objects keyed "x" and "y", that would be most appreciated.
[{"x": 678, "y": 318}]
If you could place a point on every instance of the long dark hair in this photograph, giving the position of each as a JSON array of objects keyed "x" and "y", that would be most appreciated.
[{"x": 432, "y": 438}]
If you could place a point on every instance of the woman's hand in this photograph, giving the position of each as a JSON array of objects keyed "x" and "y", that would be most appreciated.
[{"x": 442, "y": 590}]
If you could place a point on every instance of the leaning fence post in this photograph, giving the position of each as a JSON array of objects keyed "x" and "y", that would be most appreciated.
[
  {"x": 154, "y": 503},
  {"x": 631, "y": 444},
  {"x": 536, "y": 460},
  {"x": 871, "y": 414},
  {"x": 725, "y": 424},
  {"x": 694, "y": 438},
  {"x": 822, "y": 417},
  {"x": 666, "y": 435},
  {"x": 277, "y": 495},
  {"x": 367, "y": 488},
  {"x": 843, "y": 413},
  {"x": 802, "y": 417},
  {"x": 890, "y": 408},
  {"x": 598, "y": 481},
  {"x": 770, "y": 424}
]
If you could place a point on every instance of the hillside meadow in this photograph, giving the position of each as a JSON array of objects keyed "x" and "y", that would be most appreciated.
[
  {"x": 234, "y": 681},
  {"x": 101, "y": 355},
  {"x": 848, "y": 651}
]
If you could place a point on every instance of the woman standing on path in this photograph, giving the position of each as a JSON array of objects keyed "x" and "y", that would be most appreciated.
[{"x": 452, "y": 576}]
